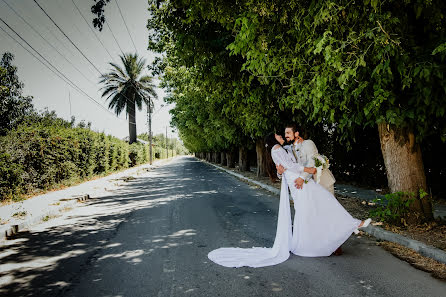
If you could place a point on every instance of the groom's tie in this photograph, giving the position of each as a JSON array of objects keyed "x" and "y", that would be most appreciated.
[{"x": 294, "y": 152}]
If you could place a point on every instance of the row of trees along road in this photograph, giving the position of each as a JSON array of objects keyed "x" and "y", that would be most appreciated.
[{"x": 237, "y": 70}]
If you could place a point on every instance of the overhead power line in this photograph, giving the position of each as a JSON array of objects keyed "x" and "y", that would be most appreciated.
[
  {"x": 67, "y": 36},
  {"x": 128, "y": 31},
  {"x": 114, "y": 37},
  {"x": 94, "y": 32},
  {"x": 52, "y": 46},
  {"x": 59, "y": 74},
  {"x": 131, "y": 108},
  {"x": 38, "y": 59}
]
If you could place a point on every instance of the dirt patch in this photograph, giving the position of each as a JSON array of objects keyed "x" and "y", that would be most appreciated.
[
  {"x": 433, "y": 233},
  {"x": 355, "y": 207}
]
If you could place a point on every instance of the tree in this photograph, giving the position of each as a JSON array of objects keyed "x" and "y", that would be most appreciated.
[
  {"x": 218, "y": 106},
  {"x": 13, "y": 105},
  {"x": 363, "y": 63},
  {"x": 98, "y": 10},
  {"x": 342, "y": 63},
  {"x": 127, "y": 89}
]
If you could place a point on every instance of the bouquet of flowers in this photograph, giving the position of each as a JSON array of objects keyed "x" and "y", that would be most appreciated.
[{"x": 320, "y": 162}]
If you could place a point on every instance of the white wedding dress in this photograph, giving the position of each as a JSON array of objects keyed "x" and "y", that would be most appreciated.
[{"x": 321, "y": 224}]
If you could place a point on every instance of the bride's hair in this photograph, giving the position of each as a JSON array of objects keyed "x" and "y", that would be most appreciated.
[{"x": 270, "y": 142}]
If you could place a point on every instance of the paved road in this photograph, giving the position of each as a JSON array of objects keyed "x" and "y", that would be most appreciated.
[{"x": 151, "y": 238}]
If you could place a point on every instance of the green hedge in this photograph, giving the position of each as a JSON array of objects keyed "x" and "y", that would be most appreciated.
[{"x": 40, "y": 156}]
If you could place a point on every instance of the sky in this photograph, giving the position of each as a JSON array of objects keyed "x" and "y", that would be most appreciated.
[{"x": 50, "y": 91}]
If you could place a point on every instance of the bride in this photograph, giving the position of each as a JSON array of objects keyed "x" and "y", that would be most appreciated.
[{"x": 321, "y": 224}]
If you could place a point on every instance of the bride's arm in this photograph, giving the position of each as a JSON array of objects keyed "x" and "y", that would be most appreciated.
[{"x": 280, "y": 157}]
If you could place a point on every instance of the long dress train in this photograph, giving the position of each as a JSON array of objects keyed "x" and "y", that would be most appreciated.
[{"x": 260, "y": 256}]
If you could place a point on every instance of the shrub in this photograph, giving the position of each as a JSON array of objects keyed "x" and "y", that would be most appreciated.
[
  {"x": 11, "y": 177},
  {"x": 395, "y": 207},
  {"x": 41, "y": 154}
]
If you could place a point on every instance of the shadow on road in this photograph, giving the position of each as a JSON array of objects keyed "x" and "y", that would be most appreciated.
[{"x": 49, "y": 259}]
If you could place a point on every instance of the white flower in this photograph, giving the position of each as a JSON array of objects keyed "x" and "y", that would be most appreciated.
[{"x": 323, "y": 163}]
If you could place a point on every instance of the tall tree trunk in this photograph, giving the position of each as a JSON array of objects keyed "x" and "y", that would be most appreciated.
[
  {"x": 230, "y": 156},
  {"x": 216, "y": 157},
  {"x": 261, "y": 158},
  {"x": 223, "y": 159},
  {"x": 404, "y": 166},
  {"x": 132, "y": 121},
  {"x": 243, "y": 160},
  {"x": 208, "y": 157}
]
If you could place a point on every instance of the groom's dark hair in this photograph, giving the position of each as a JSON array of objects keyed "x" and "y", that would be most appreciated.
[{"x": 292, "y": 127}]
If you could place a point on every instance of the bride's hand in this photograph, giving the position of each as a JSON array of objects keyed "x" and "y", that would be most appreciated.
[{"x": 280, "y": 169}]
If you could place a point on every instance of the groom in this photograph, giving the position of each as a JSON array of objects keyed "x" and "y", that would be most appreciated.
[{"x": 304, "y": 152}]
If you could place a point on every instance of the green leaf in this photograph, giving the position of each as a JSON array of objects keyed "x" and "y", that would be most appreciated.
[{"x": 439, "y": 49}]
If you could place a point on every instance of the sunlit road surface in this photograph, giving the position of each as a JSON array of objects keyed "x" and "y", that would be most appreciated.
[{"x": 151, "y": 237}]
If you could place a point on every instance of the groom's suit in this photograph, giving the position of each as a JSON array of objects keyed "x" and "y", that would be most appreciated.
[{"x": 305, "y": 152}]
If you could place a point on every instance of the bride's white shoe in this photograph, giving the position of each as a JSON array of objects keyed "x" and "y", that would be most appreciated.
[{"x": 365, "y": 224}]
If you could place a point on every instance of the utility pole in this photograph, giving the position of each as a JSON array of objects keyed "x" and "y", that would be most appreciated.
[
  {"x": 167, "y": 148},
  {"x": 69, "y": 100},
  {"x": 149, "y": 122}
]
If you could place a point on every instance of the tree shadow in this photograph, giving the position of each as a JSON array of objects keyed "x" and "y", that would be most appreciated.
[{"x": 48, "y": 260}]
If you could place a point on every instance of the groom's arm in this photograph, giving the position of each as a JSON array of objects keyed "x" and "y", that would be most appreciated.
[{"x": 309, "y": 150}]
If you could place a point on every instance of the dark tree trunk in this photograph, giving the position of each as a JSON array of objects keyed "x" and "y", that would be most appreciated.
[
  {"x": 243, "y": 161},
  {"x": 230, "y": 156},
  {"x": 223, "y": 160},
  {"x": 132, "y": 121},
  {"x": 404, "y": 166},
  {"x": 208, "y": 157},
  {"x": 261, "y": 158},
  {"x": 216, "y": 157}
]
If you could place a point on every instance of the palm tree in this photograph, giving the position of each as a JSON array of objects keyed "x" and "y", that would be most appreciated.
[{"x": 125, "y": 88}]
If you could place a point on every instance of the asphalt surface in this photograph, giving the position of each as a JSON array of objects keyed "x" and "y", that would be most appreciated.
[{"x": 151, "y": 237}]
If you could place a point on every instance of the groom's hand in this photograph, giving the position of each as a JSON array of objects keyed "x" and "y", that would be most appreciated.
[
  {"x": 299, "y": 183},
  {"x": 280, "y": 169}
]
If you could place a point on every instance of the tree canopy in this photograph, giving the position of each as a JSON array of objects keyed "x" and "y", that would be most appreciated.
[
  {"x": 351, "y": 64},
  {"x": 13, "y": 105}
]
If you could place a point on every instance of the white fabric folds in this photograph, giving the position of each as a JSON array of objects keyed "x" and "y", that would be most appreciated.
[{"x": 260, "y": 256}]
